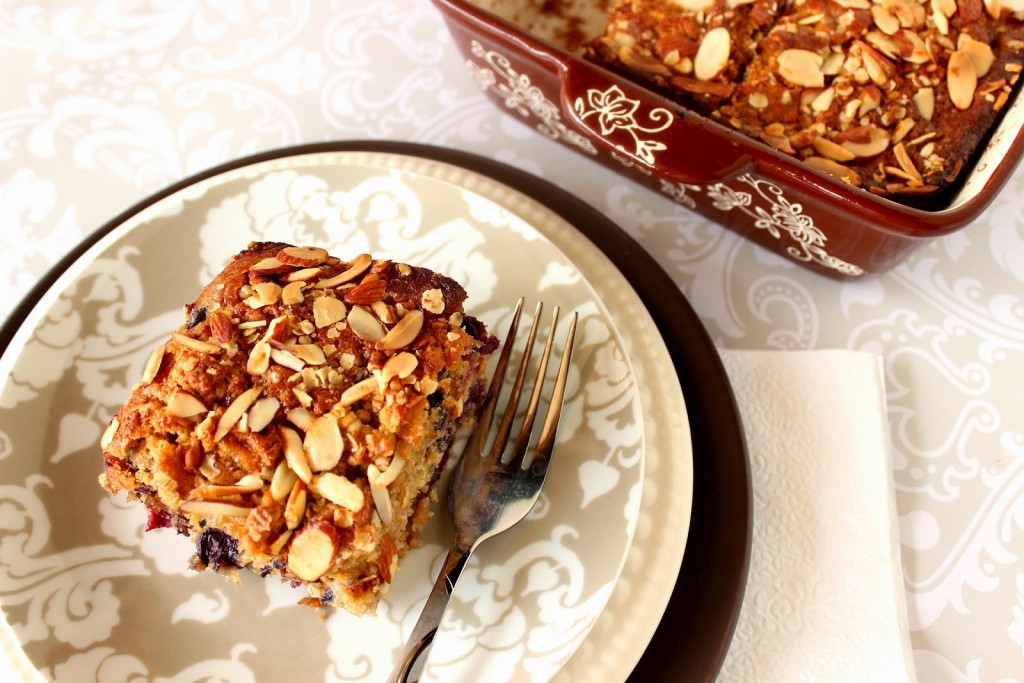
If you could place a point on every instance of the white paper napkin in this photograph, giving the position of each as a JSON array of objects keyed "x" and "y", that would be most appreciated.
[{"x": 824, "y": 599}]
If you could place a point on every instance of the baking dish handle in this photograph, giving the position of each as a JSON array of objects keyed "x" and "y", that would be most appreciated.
[{"x": 641, "y": 130}]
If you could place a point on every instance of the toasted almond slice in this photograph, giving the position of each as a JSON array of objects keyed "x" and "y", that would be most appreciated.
[
  {"x": 278, "y": 545},
  {"x": 885, "y": 20},
  {"x": 153, "y": 364},
  {"x": 262, "y": 413},
  {"x": 287, "y": 359},
  {"x": 235, "y": 411},
  {"x": 356, "y": 267},
  {"x": 295, "y": 455},
  {"x": 295, "y": 508},
  {"x": 195, "y": 344},
  {"x": 300, "y": 417},
  {"x": 823, "y": 100},
  {"x": 365, "y": 325},
  {"x": 183, "y": 404},
  {"x": 400, "y": 365},
  {"x": 904, "y": 160},
  {"x": 801, "y": 67},
  {"x": 206, "y": 507},
  {"x": 834, "y": 169},
  {"x": 980, "y": 53},
  {"x": 712, "y": 55},
  {"x": 327, "y": 310},
  {"x": 302, "y": 257},
  {"x": 247, "y": 484},
  {"x": 311, "y": 354},
  {"x": 831, "y": 150},
  {"x": 270, "y": 266},
  {"x": 902, "y": 129},
  {"x": 282, "y": 482},
  {"x": 945, "y": 7},
  {"x": 312, "y": 550},
  {"x": 961, "y": 79},
  {"x": 432, "y": 300},
  {"x": 404, "y": 332},
  {"x": 924, "y": 100},
  {"x": 358, "y": 391},
  {"x": 292, "y": 293},
  {"x": 876, "y": 68},
  {"x": 323, "y": 444},
  {"x": 380, "y": 495},
  {"x": 695, "y": 5},
  {"x": 876, "y": 143},
  {"x": 265, "y": 293},
  {"x": 108, "y": 434},
  {"x": 395, "y": 467},
  {"x": 252, "y": 324},
  {"x": 259, "y": 358},
  {"x": 339, "y": 490},
  {"x": 303, "y": 275}
]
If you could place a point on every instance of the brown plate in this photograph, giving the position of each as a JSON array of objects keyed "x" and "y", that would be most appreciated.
[{"x": 696, "y": 629}]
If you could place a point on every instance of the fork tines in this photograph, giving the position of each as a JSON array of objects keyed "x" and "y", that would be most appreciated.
[{"x": 545, "y": 442}]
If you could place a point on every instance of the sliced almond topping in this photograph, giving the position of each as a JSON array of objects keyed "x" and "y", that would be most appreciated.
[
  {"x": 867, "y": 142},
  {"x": 945, "y": 7},
  {"x": 824, "y": 100},
  {"x": 980, "y": 53},
  {"x": 394, "y": 468},
  {"x": 182, "y": 404},
  {"x": 205, "y": 507},
  {"x": 854, "y": 4},
  {"x": 292, "y": 293},
  {"x": 259, "y": 358},
  {"x": 885, "y": 20},
  {"x": 695, "y": 5},
  {"x": 902, "y": 129},
  {"x": 235, "y": 411},
  {"x": 831, "y": 150},
  {"x": 295, "y": 508},
  {"x": 282, "y": 482},
  {"x": 108, "y": 434},
  {"x": 312, "y": 550},
  {"x": 153, "y": 364},
  {"x": 195, "y": 344},
  {"x": 961, "y": 79},
  {"x": 358, "y": 391},
  {"x": 712, "y": 55},
  {"x": 833, "y": 63},
  {"x": 356, "y": 267},
  {"x": 801, "y": 67},
  {"x": 287, "y": 359},
  {"x": 384, "y": 312},
  {"x": 220, "y": 492},
  {"x": 270, "y": 266},
  {"x": 339, "y": 490},
  {"x": 295, "y": 455},
  {"x": 400, "y": 365},
  {"x": 303, "y": 275},
  {"x": 404, "y": 332},
  {"x": 367, "y": 292},
  {"x": 262, "y": 413},
  {"x": 924, "y": 100},
  {"x": 904, "y": 160},
  {"x": 327, "y": 310},
  {"x": 365, "y": 325},
  {"x": 311, "y": 354},
  {"x": 379, "y": 493},
  {"x": 432, "y": 300},
  {"x": 278, "y": 545},
  {"x": 323, "y": 443},
  {"x": 264, "y": 294},
  {"x": 300, "y": 417},
  {"x": 876, "y": 67},
  {"x": 834, "y": 169},
  {"x": 302, "y": 257}
]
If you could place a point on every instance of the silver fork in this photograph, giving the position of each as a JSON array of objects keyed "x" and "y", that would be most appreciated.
[{"x": 489, "y": 492}]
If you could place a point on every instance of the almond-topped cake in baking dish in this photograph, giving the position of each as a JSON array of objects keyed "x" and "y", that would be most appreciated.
[
  {"x": 893, "y": 96},
  {"x": 296, "y": 424}
]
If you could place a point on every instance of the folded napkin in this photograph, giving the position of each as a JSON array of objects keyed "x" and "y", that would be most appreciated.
[{"x": 824, "y": 598}]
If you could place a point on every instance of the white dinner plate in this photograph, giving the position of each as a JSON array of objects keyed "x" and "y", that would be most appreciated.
[{"x": 90, "y": 596}]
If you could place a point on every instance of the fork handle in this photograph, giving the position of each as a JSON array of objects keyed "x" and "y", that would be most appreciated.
[{"x": 426, "y": 626}]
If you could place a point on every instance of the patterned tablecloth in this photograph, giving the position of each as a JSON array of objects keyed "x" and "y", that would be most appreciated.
[{"x": 104, "y": 103}]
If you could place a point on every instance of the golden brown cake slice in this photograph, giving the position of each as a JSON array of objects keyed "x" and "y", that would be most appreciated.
[{"x": 296, "y": 424}]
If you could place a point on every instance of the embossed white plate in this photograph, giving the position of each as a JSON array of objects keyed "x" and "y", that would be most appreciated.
[{"x": 90, "y": 596}]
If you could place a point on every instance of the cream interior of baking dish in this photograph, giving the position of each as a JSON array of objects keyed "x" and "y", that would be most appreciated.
[{"x": 568, "y": 24}]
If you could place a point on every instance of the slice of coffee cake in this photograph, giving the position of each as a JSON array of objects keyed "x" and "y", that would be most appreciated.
[{"x": 297, "y": 423}]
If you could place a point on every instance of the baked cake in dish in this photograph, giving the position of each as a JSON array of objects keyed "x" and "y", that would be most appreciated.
[
  {"x": 893, "y": 96},
  {"x": 296, "y": 424}
]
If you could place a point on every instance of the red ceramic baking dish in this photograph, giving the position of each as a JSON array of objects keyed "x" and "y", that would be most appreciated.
[{"x": 513, "y": 50}]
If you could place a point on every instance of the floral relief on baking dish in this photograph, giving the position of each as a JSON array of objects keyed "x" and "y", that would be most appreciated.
[{"x": 614, "y": 113}]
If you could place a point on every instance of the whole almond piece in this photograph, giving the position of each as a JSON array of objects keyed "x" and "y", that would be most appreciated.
[{"x": 366, "y": 292}]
